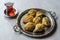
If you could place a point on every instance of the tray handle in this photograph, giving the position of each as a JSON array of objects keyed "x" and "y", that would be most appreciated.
[
  {"x": 17, "y": 29},
  {"x": 53, "y": 14}
]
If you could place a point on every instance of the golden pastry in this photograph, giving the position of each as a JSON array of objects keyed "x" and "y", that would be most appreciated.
[
  {"x": 39, "y": 27},
  {"x": 28, "y": 19},
  {"x": 32, "y": 12},
  {"x": 29, "y": 26},
  {"x": 37, "y": 20},
  {"x": 39, "y": 13},
  {"x": 46, "y": 21}
]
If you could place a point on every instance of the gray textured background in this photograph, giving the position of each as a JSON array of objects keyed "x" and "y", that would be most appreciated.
[{"x": 6, "y": 24}]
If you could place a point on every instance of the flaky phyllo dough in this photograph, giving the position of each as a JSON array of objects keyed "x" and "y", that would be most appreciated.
[{"x": 35, "y": 21}]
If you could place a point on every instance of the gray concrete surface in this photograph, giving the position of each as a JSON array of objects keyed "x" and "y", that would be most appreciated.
[{"x": 6, "y": 24}]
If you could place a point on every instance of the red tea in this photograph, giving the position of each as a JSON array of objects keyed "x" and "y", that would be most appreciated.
[
  {"x": 10, "y": 13},
  {"x": 10, "y": 10}
]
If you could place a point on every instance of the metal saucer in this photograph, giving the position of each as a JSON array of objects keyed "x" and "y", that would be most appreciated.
[{"x": 16, "y": 13}]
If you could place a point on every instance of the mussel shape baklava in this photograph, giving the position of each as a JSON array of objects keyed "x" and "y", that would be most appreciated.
[
  {"x": 45, "y": 21},
  {"x": 28, "y": 19},
  {"x": 37, "y": 20},
  {"x": 39, "y": 27},
  {"x": 39, "y": 13},
  {"x": 32, "y": 12},
  {"x": 29, "y": 26}
]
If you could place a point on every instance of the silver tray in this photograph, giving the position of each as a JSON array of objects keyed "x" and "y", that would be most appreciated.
[{"x": 19, "y": 27}]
